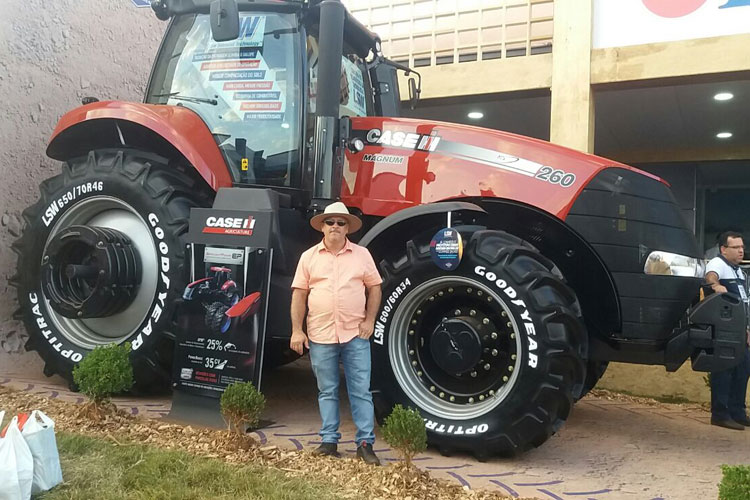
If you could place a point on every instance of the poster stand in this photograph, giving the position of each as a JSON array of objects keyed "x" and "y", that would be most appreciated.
[{"x": 222, "y": 319}]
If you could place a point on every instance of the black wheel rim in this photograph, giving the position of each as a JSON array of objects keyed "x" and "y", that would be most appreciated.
[{"x": 454, "y": 347}]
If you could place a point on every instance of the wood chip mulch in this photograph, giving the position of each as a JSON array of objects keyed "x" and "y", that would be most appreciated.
[{"x": 351, "y": 478}]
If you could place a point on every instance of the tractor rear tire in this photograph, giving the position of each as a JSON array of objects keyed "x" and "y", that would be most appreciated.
[
  {"x": 144, "y": 197},
  {"x": 491, "y": 353}
]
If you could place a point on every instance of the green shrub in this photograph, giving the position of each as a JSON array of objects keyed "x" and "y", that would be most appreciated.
[
  {"x": 104, "y": 372},
  {"x": 404, "y": 430},
  {"x": 735, "y": 482},
  {"x": 242, "y": 404}
]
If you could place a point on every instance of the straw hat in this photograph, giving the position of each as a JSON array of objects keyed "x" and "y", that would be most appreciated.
[{"x": 336, "y": 209}]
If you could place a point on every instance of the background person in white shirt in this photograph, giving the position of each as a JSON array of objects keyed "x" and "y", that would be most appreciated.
[{"x": 729, "y": 387}]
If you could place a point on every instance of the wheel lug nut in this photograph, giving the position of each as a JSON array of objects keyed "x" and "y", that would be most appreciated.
[
  {"x": 457, "y": 312},
  {"x": 453, "y": 398},
  {"x": 512, "y": 335},
  {"x": 494, "y": 352},
  {"x": 411, "y": 332},
  {"x": 493, "y": 335},
  {"x": 419, "y": 373},
  {"x": 442, "y": 395},
  {"x": 471, "y": 400},
  {"x": 509, "y": 324},
  {"x": 510, "y": 368},
  {"x": 432, "y": 388},
  {"x": 486, "y": 349},
  {"x": 450, "y": 290},
  {"x": 411, "y": 352},
  {"x": 489, "y": 299},
  {"x": 414, "y": 363},
  {"x": 481, "y": 397},
  {"x": 440, "y": 293},
  {"x": 472, "y": 313},
  {"x": 469, "y": 290},
  {"x": 479, "y": 292},
  {"x": 414, "y": 322},
  {"x": 487, "y": 366},
  {"x": 503, "y": 314},
  {"x": 419, "y": 311},
  {"x": 432, "y": 299},
  {"x": 505, "y": 379},
  {"x": 473, "y": 374},
  {"x": 486, "y": 321},
  {"x": 513, "y": 356},
  {"x": 492, "y": 393}
]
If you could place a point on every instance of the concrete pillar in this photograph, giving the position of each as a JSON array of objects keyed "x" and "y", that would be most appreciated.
[{"x": 572, "y": 105}]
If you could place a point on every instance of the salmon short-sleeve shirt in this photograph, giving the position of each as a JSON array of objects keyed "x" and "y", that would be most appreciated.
[{"x": 336, "y": 300}]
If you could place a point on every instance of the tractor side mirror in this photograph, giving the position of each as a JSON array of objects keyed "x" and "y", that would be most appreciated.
[
  {"x": 225, "y": 20},
  {"x": 414, "y": 90}
]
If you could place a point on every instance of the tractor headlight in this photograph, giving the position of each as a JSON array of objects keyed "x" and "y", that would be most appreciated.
[{"x": 672, "y": 264}]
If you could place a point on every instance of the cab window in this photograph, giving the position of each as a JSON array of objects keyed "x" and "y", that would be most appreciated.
[{"x": 247, "y": 91}]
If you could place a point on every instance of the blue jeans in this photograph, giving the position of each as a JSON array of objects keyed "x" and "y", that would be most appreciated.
[
  {"x": 355, "y": 356},
  {"x": 728, "y": 390}
]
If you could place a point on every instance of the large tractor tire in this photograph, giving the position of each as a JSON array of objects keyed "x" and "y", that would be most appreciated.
[
  {"x": 491, "y": 353},
  {"x": 102, "y": 258}
]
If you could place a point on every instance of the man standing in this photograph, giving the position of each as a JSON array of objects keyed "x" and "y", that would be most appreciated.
[
  {"x": 338, "y": 282},
  {"x": 729, "y": 387}
]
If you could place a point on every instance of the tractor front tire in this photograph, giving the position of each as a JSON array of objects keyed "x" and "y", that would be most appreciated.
[
  {"x": 148, "y": 200},
  {"x": 491, "y": 353}
]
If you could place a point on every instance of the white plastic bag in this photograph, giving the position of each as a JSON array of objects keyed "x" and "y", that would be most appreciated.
[
  {"x": 39, "y": 432},
  {"x": 16, "y": 464}
]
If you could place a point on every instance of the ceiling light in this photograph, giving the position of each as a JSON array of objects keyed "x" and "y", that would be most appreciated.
[
  {"x": 476, "y": 115},
  {"x": 724, "y": 135},
  {"x": 723, "y": 96}
]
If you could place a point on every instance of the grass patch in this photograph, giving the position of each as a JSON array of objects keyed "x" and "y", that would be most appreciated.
[
  {"x": 735, "y": 482},
  {"x": 96, "y": 468}
]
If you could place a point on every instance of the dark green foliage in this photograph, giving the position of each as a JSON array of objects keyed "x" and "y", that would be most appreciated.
[
  {"x": 104, "y": 372},
  {"x": 242, "y": 404},
  {"x": 404, "y": 430},
  {"x": 735, "y": 483}
]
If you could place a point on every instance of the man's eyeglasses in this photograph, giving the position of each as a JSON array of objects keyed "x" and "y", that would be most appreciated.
[
  {"x": 340, "y": 223},
  {"x": 735, "y": 247}
]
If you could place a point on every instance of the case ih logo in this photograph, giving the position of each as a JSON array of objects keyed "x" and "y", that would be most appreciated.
[{"x": 229, "y": 225}]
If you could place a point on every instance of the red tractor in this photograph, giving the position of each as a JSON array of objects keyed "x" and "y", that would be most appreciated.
[
  {"x": 569, "y": 260},
  {"x": 216, "y": 293}
]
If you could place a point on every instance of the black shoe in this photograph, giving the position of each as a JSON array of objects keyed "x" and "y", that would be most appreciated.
[
  {"x": 364, "y": 451},
  {"x": 327, "y": 449},
  {"x": 743, "y": 420},
  {"x": 728, "y": 424}
]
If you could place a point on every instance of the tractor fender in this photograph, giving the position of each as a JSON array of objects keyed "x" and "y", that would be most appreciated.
[
  {"x": 171, "y": 131},
  {"x": 414, "y": 219}
]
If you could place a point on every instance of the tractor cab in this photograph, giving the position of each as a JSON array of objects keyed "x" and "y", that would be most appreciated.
[{"x": 260, "y": 92}]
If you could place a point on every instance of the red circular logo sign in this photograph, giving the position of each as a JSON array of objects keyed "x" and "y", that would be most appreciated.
[{"x": 673, "y": 8}]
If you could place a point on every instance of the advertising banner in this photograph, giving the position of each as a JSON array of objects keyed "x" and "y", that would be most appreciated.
[{"x": 634, "y": 22}]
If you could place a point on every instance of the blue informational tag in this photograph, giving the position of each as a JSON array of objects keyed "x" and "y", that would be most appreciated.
[{"x": 446, "y": 249}]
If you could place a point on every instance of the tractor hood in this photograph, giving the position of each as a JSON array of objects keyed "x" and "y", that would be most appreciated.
[{"x": 409, "y": 162}]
